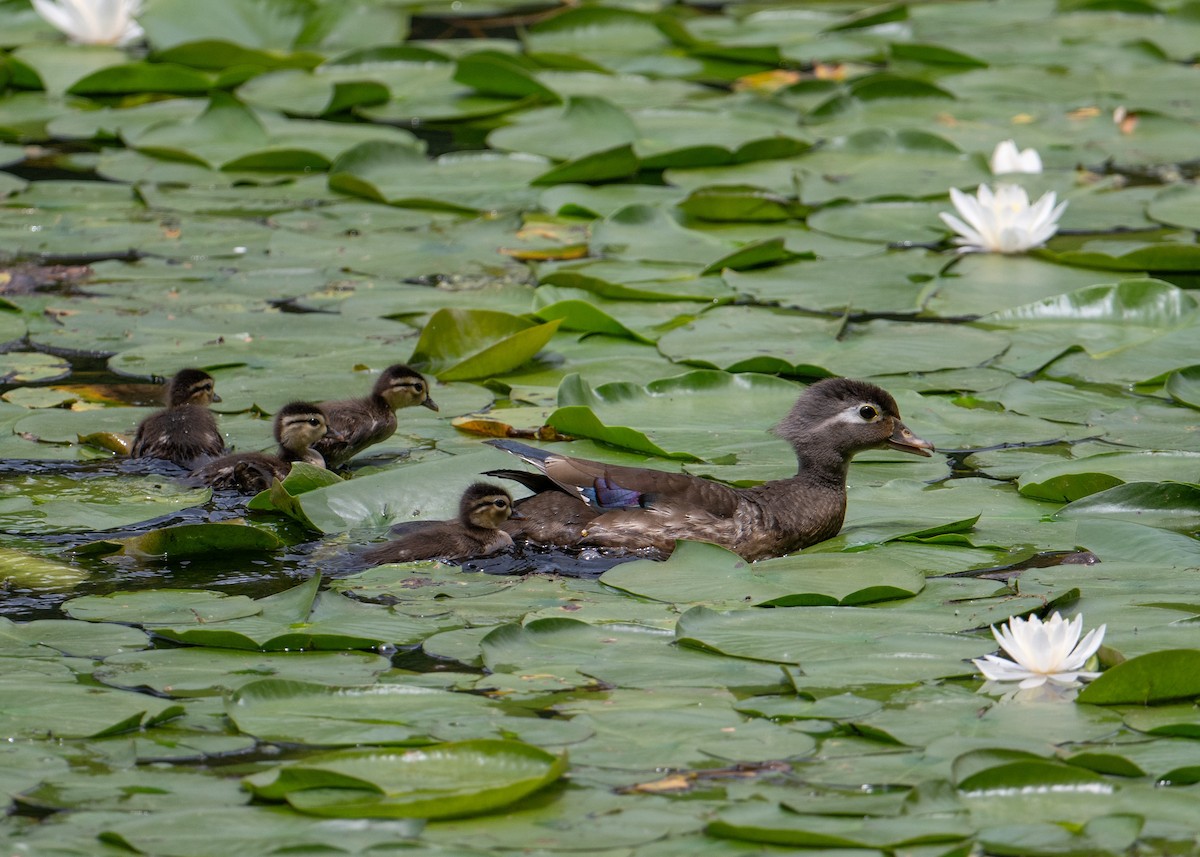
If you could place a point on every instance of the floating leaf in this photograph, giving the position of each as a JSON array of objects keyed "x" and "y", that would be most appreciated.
[
  {"x": 1070, "y": 480},
  {"x": 34, "y": 572},
  {"x": 161, "y": 607},
  {"x": 1173, "y": 505},
  {"x": 459, "y": 345},
  {"x": 1148, "y": 679},
  {"x": 704, "y": 573},
  {"x": 440, "y": 781},
  {"x": 191, "y": 540}
]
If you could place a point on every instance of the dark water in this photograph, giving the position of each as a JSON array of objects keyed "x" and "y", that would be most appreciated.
[{"x": 252, "y": 574}]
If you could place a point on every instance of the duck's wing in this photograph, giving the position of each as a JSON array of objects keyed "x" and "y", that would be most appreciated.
[
  {"x": 612, "y": 487},
  {"x": 443, "y": 540},
  {"x": 358, "y": 425}
]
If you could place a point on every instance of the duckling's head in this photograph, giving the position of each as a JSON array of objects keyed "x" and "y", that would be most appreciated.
[
  {"x": 298, "y": 425},
  {"x": 402, "y": 387},
  {"x": 191, "y": 387},
  {"x": 485, "y": 506},
  {"x": 842, "y": 416}
]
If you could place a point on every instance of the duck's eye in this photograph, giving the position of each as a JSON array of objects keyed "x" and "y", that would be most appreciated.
[
  {"x": 500, "y": 503},
  {"x": 419, "y": 388},
  {"x": 868, "y": 413},
  {"x": 313, "y": 421}
]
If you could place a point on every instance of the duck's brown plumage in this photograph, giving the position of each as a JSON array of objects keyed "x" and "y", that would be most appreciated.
[
  {"x": 186, "y": 431},
  {"x": 631, "y": 507},
  {"x": 298, "y": 426},
  {"x": 356, "y": 424},
  {"x": 475, "y": 533}
]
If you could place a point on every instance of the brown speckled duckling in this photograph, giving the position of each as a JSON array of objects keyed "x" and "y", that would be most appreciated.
[
  {"x": 298, "y": 426},
  {"x": 359, "y": 423},
  {"x": 476, "y": 532},
  {"x": 632, "y": 507},
  {"x": 186, "y": 431}
]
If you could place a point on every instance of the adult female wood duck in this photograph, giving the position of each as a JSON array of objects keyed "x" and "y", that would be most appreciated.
[
  {"x": 298, "y": 426},
  {"x": 476, "y": 532},
  {"x": 356, "y": 424},
  {"x": 186, "y": 431},
  {"x": 631, "y": 507}
]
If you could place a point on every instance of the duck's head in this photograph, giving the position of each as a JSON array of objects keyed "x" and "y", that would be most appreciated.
[
  {"x": 191, "y": 387},
  {"x": 403, "y": 387},
  {"x": 298, "y": 425},
  {"x": 845, "y": 417},
  {"x": 486, "y": 506}
]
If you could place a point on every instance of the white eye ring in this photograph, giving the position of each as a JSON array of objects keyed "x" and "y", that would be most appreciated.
[{"x": 868, "y": 413}]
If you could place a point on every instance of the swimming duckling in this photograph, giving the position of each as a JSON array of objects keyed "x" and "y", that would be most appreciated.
[
  {"x": 476, "y": 532},
  {"x": 632, "y": 507},
  {"x": 298, "y": 426},
  {"x": 186, "y": 431},
  {"x": 359, "y": 423}
]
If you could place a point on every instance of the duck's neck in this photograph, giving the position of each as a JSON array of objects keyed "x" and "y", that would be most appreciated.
[
  {"x": 380, "y": 404},
  {"x": 307, "y": 454},
  {"x": 820, "y": 465}
]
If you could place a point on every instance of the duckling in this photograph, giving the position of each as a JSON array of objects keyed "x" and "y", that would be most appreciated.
[
  {"x": 632, "y": 507},
  {"x": 186, "y": 431},
  {"x": 476, "y": 532},
  {"x": 359, "y": 423},
  {"x": 298, "y": 426}
]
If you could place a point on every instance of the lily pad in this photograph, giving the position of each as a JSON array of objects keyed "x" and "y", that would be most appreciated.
[
  {"x": 440, "y": 781},
  {"x": 1070, "y": 480},
  {"x": 1153, "y": 678},
  {"x": 460, "y": 345},
  {"x": 702, "y": 573}
]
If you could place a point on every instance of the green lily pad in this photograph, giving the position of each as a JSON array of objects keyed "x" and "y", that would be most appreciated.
[
  {"x": 1172, "y": 505},
  {"x": 1152, "y": 678},
  {"x": 1070, "y": 480},
  {"x": 440, "y": 781},
  {"x": 775, "y": 825},
  {"x": 73, "y": 639},
  {"x": 703, "y": 573},
  {"x": 161, "y": 607},
  {"x": 399, "y": 174},
  {"x": 460, "y": 345},
  {"x": 680, "y": 417},
  {"x": 208, "y": 672},
  {"x": 1184, "y": 386},
  {"x": 328, "y": 715},
  {"x": 90, "y": 502},
  {"x": 191, "y": 540}
]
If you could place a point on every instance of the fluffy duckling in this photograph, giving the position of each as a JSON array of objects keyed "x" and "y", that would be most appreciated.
[
  {"x": 631, "y": 507},
  {"x": 358, "y": 423},
  {"x": 476, "y": 532},
  {"x": 298, "y": 426},
  {"x": 186, "y": 431}
]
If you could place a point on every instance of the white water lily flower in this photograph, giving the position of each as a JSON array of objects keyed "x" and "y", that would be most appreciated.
[
  {"x": 1041, "y": 651},
  {"x": 93, "y": 22},
  {"x": 1002, "y": 221},
  {"x": 1008, "y": 159}
]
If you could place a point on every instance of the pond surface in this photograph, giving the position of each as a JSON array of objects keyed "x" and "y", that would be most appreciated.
[{"x": 634, "y": 232}]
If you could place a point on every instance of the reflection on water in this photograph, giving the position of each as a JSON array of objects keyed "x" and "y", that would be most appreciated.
[{"x": 252, "y": 574}]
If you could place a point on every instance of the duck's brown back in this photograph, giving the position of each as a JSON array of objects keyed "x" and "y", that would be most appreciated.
[
  {"x": 185, "y": 435},
  {"x": 360, "y": 423},
  {"x": 445, "y": 540},
  {"x": 247, "y": 472}
]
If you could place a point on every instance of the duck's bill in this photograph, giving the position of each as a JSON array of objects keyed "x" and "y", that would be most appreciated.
[
  {"x": 430, "y": 403},
  {"x": 905, "y": 441}
]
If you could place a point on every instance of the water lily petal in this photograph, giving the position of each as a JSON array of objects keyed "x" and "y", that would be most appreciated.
[
  {"x": 1001, "y": 220},
  {"x": 1006, "y": 158}
]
